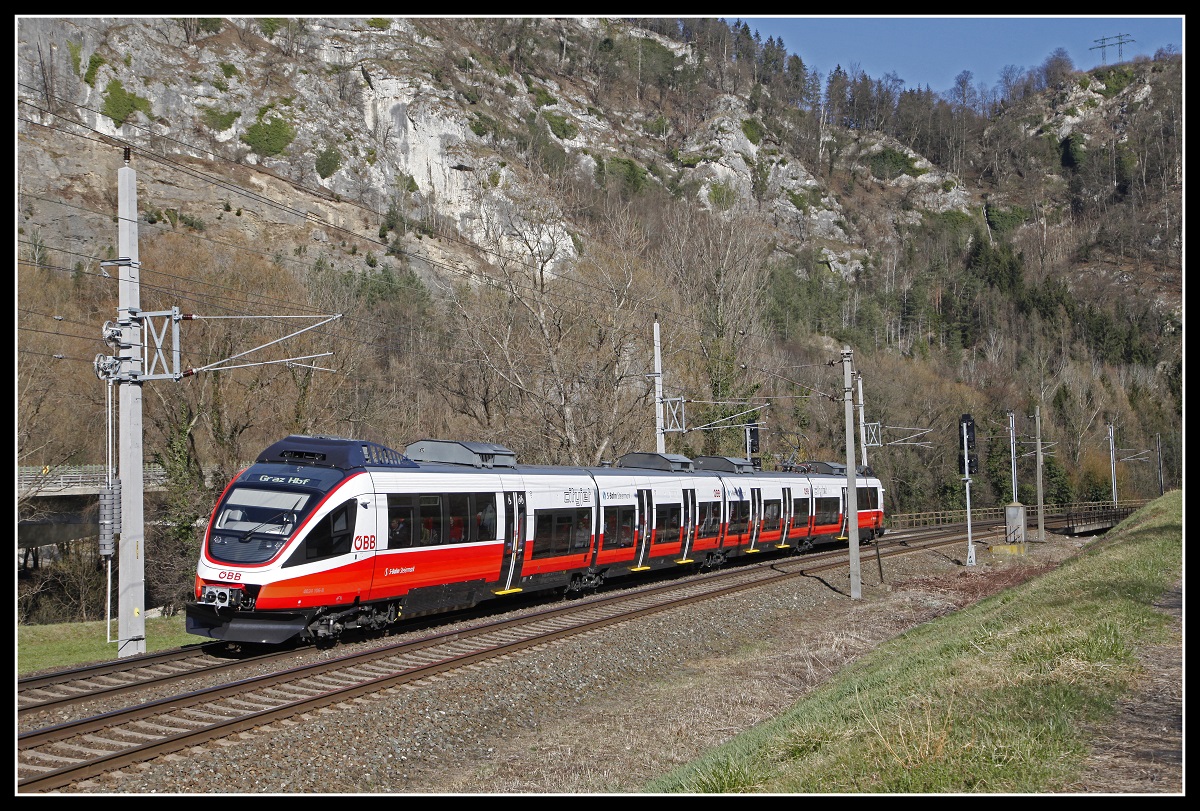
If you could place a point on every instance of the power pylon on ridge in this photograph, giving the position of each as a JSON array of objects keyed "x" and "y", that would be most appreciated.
[{"x": 1120, "y": 40}]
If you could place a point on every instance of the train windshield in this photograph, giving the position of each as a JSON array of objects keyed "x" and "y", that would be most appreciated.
[{"x": 253, "y": 524}]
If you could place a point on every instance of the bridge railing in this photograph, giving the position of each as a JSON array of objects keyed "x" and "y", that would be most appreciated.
[
  {"x": 78, "y": 479},
  {"x": 1081, "y": 512}
]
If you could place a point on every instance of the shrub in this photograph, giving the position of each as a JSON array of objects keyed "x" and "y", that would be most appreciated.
[
  {"x": 407, "y": 183},
  {"x": 722, "y": 196},
  {"x": 560, "y": 126},
  {"x": 229, "y": 70},
  {"x": 269, "y": 25},
  {"x": 74, "y": 48},
  {"x": 328, "y": 161},
  {"x": 482, "y": 125},
  {"x": 1001, "y": 220},
  {"x": 1115, "y": 79},
  {"x": 753, "y": 131},
  {"x": 269, "y": 138},
  {"x": 542, "y": 97},
  {"x": 382, "y": 23},
  {"x": 888, "y": 164},
  {"x": 120, "y": 104},
  {"x": 94, "y": 63},
  {"x": 194, "y": 223},
  {"x": 219, "y": 121},
  {"x": 1074, "y": 151},
  {"x": 629, "y": 175},
  {"x": 799, "y": 200}
]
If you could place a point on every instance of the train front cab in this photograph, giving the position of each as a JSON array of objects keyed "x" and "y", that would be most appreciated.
[{"x": 292, "y": 538}]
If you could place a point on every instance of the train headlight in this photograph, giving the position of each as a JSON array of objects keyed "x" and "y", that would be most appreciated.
[{"x": 222, "y": 596}]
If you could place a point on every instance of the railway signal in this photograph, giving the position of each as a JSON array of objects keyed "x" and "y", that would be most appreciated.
[{"x": 968, "y": 460}]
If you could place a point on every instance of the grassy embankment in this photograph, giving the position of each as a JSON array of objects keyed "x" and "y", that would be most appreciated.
[
  {"x": 990, "y": 699},
  {"x": 52, "y": 647}
]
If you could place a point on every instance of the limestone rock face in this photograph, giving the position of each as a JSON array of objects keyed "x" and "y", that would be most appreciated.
[
  {"x": 224, "y": 125},
  {"x": 346, "y": 135}
]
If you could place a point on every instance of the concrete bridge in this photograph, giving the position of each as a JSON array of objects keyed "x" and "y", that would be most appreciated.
[{"x": 84, "y": 480}]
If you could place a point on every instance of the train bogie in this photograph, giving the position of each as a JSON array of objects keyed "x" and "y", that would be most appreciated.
[{"x": 324, "y": 534}]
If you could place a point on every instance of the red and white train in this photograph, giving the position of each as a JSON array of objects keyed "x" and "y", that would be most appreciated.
[{"x": 323, "y": 534}]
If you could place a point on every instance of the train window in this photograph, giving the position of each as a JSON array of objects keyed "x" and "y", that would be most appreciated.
[
  {"x": 772, "y": 514},
  {"x": 710, "y": 519},
  {"x": 431, "y": 520},
  {"x": 666, "y": 522},
  {"x": 401, "y": 524},
  {"x": 618, "y": 527},
  {"x": 868, "y": 498},
  {"x": 561, "y": 532},
  {"x": 828, "y": 510},
  {"x": 332, "y": 534},
  {"x": 581, "y": 533},
  {"x": 458, "y": 505},
  {"x": 253, "y": 525},
  {"x": 739, "y": 517},
  {"x": 485, "y": 517},
  {"x": 800, "y": 512}
]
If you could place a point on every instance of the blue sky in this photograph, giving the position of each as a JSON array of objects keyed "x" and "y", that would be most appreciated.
[{"x": 933, "y": 51}]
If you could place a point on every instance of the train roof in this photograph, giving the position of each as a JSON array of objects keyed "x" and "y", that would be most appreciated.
[
  {"x": 833, "y": 468},
  {"x": 724, "y": 464},
  {"x": 344, "y": 453},
  {"x": 657, "y": 461},
  {"x": 475, "y": 454},
  {"x": 333, "y": 451}
]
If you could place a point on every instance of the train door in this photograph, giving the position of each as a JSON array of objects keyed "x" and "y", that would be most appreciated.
[
  {"x": 515, "y": 505},
  {"x": 802, "y": 514},
  {"x": 756, "y": 514},
  {"x": 844, "y": 534},
  {"x": 786, "y": 506},
  {"x": 645, "y": 505},
  {"x": 367, "y": 538},
  {"x": 689, "y": 525}
]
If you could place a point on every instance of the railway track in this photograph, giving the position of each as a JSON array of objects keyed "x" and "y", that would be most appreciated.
[
  {"x": 52, "y": 757},
  {"x": 63, "y": 689}
]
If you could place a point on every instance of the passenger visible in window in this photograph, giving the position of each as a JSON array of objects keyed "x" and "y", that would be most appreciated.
[
  {"x": 456, "y": 530},
  {"x": 398, "y": 532}
]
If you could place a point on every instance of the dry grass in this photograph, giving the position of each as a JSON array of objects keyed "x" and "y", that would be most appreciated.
[{"x": 620, "y": 741}]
